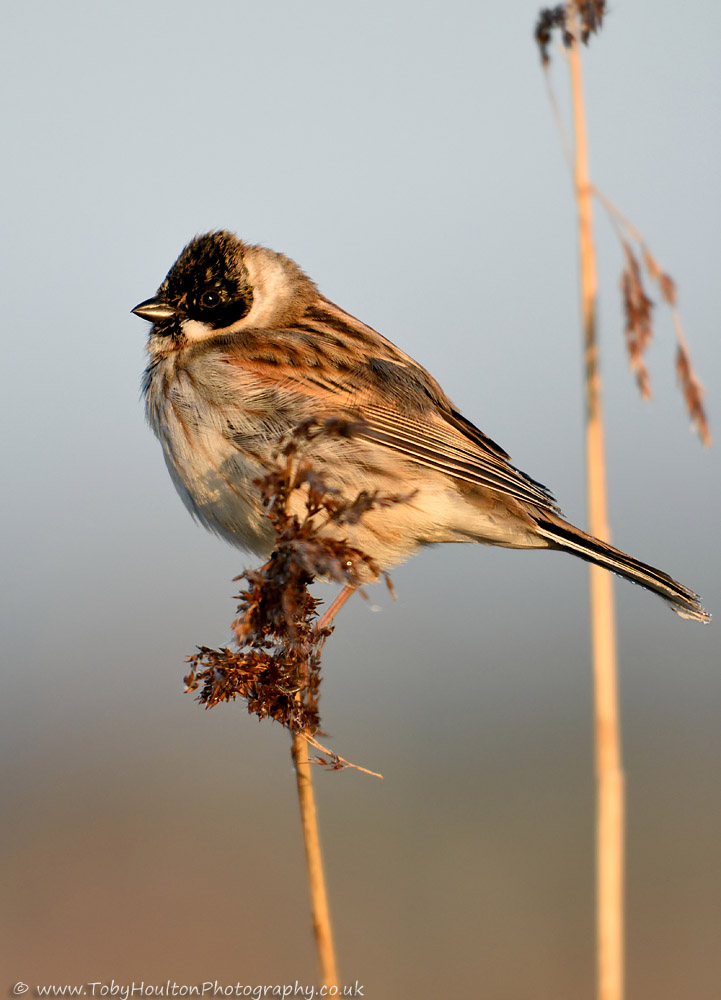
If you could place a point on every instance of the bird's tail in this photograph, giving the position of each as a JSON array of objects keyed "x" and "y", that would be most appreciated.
[{"x": 564, "y": 536}]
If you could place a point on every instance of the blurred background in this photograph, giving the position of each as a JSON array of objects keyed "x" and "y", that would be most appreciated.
[{"x": 406, "y": 156}]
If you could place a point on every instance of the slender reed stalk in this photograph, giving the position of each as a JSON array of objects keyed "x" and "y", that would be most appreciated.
[
  {"x": 609, "y": 773},
  {"x": 314, "y": 862},
  {"x": 275, "y": 667},
  {"x": 576, "y": 21}
]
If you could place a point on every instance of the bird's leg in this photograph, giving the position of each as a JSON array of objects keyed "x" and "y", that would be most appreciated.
[{"x": 326, "y": 619}]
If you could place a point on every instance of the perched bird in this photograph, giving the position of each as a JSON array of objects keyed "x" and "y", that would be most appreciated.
[{"x": 244, "y": 348}]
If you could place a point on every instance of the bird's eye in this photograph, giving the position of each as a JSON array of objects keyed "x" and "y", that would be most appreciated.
[{"x": 210, "y": 299}]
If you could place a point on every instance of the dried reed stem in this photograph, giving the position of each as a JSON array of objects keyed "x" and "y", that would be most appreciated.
[
  {"x": 609, "y": 774},
  {"x": 314, "y": 863}
]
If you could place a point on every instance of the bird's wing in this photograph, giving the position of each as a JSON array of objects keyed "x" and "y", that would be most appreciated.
[
  {"x": 443, "y": 444},
  {"x": 400, "y": 406}
]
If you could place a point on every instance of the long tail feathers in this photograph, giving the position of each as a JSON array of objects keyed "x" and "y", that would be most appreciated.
[{"x": 562, "y": 535}]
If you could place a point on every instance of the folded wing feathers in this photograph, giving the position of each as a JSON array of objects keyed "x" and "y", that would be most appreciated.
[
  {"x": 439, "y": 437},
  {"x": 426, "y": 442}
]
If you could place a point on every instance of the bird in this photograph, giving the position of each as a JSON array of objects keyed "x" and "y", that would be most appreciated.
[{"x": 244, "y": 348}]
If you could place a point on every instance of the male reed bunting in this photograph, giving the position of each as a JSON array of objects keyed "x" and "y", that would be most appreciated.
[{"x": 244, "y": 349}]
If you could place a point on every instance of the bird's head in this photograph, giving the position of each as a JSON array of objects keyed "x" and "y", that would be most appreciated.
[{"x": 219, "y": 286}]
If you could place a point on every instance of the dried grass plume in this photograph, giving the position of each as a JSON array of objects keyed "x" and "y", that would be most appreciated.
[{"x": 276, "y": 666}]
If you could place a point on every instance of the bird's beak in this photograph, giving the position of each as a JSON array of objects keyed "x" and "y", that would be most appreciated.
[{"x": 154, "y": 310}]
